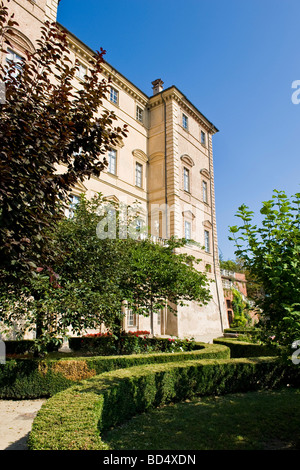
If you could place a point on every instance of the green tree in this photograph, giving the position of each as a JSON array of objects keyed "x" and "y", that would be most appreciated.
[
  {"x": 46, "y": 122},
  {"x": 163, "y": 275},
  {"x": 271, "y": 254},
  {"x": 95, "y": 276}
]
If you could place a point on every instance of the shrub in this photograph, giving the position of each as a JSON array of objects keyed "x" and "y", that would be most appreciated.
[
  {"x": 28, "y": 346},
  {"x": 246, "y": 349},
  {"x": 138, "y": 342},
  {"x": 74, "y": 418},
  {"x": 33, "y": 378}
]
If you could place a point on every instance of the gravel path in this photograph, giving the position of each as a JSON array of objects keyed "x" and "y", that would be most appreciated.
[{"x": 16, "y": 419}]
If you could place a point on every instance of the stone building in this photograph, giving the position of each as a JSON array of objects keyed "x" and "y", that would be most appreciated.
[{"x": 165, "y": 162}]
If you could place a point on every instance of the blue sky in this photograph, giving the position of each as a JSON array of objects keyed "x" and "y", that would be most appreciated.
[{"x": 235, "y": 60}]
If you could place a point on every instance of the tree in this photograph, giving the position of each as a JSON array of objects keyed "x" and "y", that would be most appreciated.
[
  {"x": 131, "y": 270},
  {"x": 95, "y": 276},
  {"x": 271, "y": 253},
  {"x": 44, "y": 123},
  {"x": 163, "y": 276}
]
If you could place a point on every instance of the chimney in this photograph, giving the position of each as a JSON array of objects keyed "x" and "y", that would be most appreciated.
[{"x": 157, "y": 86}]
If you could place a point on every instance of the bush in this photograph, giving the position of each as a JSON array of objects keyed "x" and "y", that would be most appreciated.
[
  {"x": 246, "y": 349},
  {"x": 128, "y": 343},
  {"x": 28, "y": 346},
  {"x": 74, "y": 418},
  {"x": 35, "y": 378}
]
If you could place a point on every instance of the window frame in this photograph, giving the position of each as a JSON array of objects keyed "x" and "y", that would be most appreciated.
[
  {"x": 188, "y": 224},
  {"x": 111, "y": 152},
  {"x": 185, "y": 122},
  {"x": 205, "y": 191},
  {"x": 186, "y": 180},
  {"x": 138, "y": 176},
  {"x": 114, "y": 95},
  {"x": 139, "y": 114},
  {"x": 81, "y": 66},
  {"x": 131, "y": 318},
  {"x": 206, "y": 241},
  {"x": 203, "y": 138}
]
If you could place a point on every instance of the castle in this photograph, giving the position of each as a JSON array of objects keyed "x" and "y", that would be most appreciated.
[{"x": 166, "y": 162}]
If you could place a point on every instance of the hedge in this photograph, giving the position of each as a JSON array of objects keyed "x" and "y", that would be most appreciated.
[
  {"x": 24, "y": 346},
  {"x": 74, "y": 418},
  {"x": 34, "y": 378},
  {"x": 246, "y": 349},
  {"x": 128, "y": 343}
]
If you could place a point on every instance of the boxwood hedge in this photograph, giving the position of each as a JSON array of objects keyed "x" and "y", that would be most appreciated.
[
  {"x": 246, "y": 349},
  {"x": 75, "y": 418},
  {"x": 33, "y": 378}
]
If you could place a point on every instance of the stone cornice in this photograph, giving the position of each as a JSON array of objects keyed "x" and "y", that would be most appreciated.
[
  {"x": 86, "y": 54},
  {"x": 173, "y": 93}
]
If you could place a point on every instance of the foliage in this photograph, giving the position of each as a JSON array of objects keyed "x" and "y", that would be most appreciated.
[
  {"x": 247, "y": 348},
  {"x": 238, "y": 306},
  {"x": 71, "y": 420},
  {"x": 95, "y": 277},
  {"x": 36, "y": 378},
  {"x": 271, "y": 253},
  {"x": 52, "y": 136},
  {"x": 128, "y": 343}
]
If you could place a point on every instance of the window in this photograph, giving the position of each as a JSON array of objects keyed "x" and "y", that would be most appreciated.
[
  {"x": 187, "y": 230},
  {"x": 206, "y": 241},
  {"x": 73, "y": 201},
  {"x": 112, "y": 162},
  {"x": 130, "y": 318},
  {"x": 139, "y": 114},
  {"x": 185, "y": 122},
  {"x": 203, "y": 139},
  {"x": 204, "y": 191},
  {"x": 114, "y": 95},
  {"x": 138, "y": 174},
  {"x": 81, "y": 71},
  {"x": 15, "y": 58},
  {"x": 186, "y": 179}
]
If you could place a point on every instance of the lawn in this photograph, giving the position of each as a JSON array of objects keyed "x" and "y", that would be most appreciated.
[{"x": 265, "y": 420}]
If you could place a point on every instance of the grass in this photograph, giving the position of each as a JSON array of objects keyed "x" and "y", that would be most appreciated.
[{"x": 265, "y": 420}]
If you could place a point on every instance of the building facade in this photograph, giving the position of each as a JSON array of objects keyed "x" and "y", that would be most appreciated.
[{"x": 165, "y": 163}]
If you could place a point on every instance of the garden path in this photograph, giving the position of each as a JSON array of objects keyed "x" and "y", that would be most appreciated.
[{"x": 16, "y": 418}]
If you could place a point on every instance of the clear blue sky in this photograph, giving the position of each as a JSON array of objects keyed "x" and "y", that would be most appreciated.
[{"x": 235, "y": 60}]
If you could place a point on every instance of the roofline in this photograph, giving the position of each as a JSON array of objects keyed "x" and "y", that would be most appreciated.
[
  {"x": 105, "y": 61},
  {"x": 213, "y": 127}
]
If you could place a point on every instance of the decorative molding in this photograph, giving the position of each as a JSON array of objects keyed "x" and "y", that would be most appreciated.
[
  {"x": 187, "y": 160},
  {"x": 21, "y": 41},
  {"x": 137, "y": 153},
  {"x": 204, "y": 172},
  {"x": 207, "y": 224},
  {"x": 188, "y": 215},
  {"x": 112, "y": 198},
  {"x": 78, "y": 188}
]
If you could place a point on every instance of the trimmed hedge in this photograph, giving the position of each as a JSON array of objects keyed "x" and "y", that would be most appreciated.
[
  {"x": 128, "y": 343},
  {"x": 27, "y": 346},
  {"x": 246, "y": 349},
  {"x": 36, "y": 378},
  {"x": 73, "y": 419}
]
